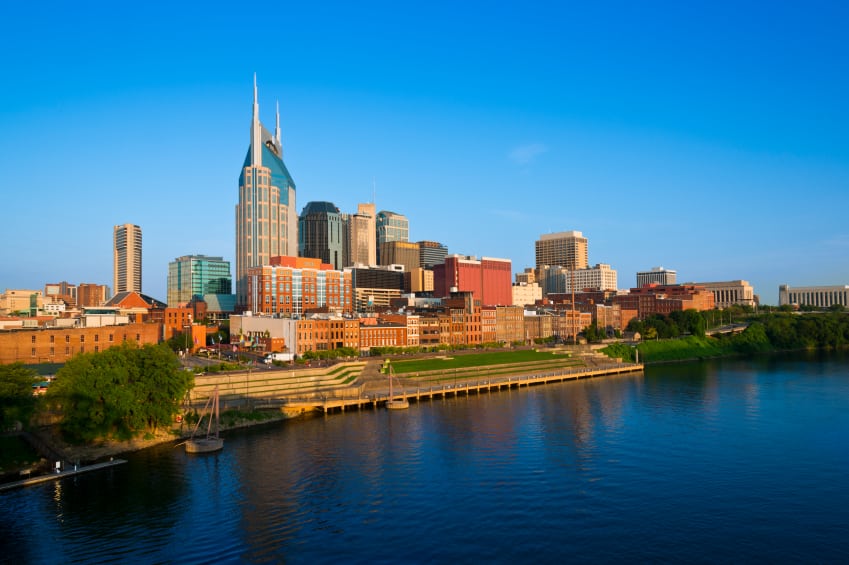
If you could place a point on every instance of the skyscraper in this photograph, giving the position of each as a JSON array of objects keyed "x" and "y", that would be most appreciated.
[
  {"x": 564, "y": 249},
  {"x": 362, "y": 248},
  {"x": 390, "y": 227},
  {"x": 266, "y": 218},
  {"x": 197, "y": 275},
  {"x": 322, "y": 233},
  {"x": 127, "y": 258}
]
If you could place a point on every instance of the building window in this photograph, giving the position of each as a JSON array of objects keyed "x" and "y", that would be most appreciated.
[
  {"x": 33, "y": 351},
  {"x": 110, "y": 338},
  {"x": 52, "y": 352},
  {"x": 67, "y": 339},
  {"x": 67, "y": 350},
  {"x": 82, "y": 339},
  {"x": 52, "y": 339},
  {"x": 138, "y": 338},
  {"x": 96, "y": 337},
  {"x": 96, "y": 348},
  {"x": 32, "y": 338},
  {"x": 82, "y": 349}
]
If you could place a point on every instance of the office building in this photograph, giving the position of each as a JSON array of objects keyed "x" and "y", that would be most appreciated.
[
  {"x": 362, "y": 237},
  {"x": 817, "y": 296},
  {"x": 557, "y": 280},
  {"x": 431, "y": 253},
  {"x": 293, "y": 286},
  {"x": 658, "y": 275},
  {"x": 730, "y": 293},
  {"x": 322, "y": 233},
  {"x": 90, "y": 294},
  {"x": 266, "y": 218},
  {"x": 127, "y": 258},
  {"x": 390, "y": 227},
  {"x": 400, "y": 253},
  {"x": 194, "y": 276},
  {"x": 565, "y": 249},
  {"x": 488, "y": 279}
]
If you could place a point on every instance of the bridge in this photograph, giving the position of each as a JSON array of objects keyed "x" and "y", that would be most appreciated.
[{"x": 728, "y": 329}]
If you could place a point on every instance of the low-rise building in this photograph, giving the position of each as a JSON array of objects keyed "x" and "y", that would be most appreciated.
[{"x": 818, "y": 296}]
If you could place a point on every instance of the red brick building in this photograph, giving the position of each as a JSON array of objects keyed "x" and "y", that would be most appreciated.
[
  {"x": 489, "y": 280},
  {"x": 57, "y": 345},
  {"x": 656, "y": 299},
  {"x": 296, "y": 285}
]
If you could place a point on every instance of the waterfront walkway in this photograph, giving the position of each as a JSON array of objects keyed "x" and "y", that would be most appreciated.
[
  {"x": 69, "y": 471},
  {"x": 294, "y": 406}
]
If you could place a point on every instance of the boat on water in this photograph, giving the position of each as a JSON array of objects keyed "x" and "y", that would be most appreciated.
[
  {"x": 395, "y": 403},
  {"x": 212, "y": 442}
]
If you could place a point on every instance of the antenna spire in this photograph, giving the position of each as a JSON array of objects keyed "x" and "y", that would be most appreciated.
[{"x": 277, "y": 128}]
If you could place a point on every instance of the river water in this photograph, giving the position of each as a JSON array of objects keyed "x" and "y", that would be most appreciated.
[{"x": 721, "y": 461}]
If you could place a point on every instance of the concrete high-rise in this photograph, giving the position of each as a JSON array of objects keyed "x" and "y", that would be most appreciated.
[
  {"x": 266, "y": 218},
  {"x": 197, "y": 275},
  {"x": 322, "y": 233},
  {"x": 657, "y": 275},
  {"x": 127, "y": 258},
  {"x": 564, "y": 249},
  {"x": 362, "y": 241}
]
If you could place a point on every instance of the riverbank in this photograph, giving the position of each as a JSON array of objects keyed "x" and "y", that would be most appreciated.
[{"x": 371, "y": 382}]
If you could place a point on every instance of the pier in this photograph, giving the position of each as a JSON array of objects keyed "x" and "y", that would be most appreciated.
[
  {"x": 297, "y": 406},
  {"x": 69, "y": 472}
]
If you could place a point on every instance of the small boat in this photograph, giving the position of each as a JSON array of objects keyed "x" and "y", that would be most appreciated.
[
  {"x": 212, "y": 442},
  {"x": 395, "y": 403}
]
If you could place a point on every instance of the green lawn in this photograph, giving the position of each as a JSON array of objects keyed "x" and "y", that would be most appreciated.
[{"x": 465, "y": 361}]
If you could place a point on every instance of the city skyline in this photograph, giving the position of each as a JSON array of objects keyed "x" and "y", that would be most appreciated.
[{"x": 708, "y": 139}]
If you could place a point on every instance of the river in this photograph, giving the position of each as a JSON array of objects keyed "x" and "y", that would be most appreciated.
[{"x": 720, "y": 461}]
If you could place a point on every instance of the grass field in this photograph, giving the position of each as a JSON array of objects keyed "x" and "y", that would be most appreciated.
[{"x": 465, "y": 361}]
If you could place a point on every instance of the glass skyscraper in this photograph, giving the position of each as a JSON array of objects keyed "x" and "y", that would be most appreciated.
[
  {"x": 197, "y": 275},
  {"x": 266, "y": 218},
  {"x": 391, "y": 227},
  {"x": 322, "y": 233}
]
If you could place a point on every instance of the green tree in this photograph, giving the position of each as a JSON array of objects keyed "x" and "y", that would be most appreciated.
[
  {"x": 16, "y": 399},
  {"x": 120, "y": 392}
]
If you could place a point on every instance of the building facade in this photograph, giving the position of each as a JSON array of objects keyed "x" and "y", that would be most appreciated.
[
  {"x": 322, "y": 233},
  {"x": 730, "y": 293},
  {"x": 657, "y": 275},
  {"x": 293, "y": 286},
  {"x": 127, "y": 258},
  {"x": 390, "y": 227},
  {"x": 400, "y": 253},
  {"x": 58, "y": 345},
  {"x": 90, "y": 294},
  {"x": 431, "y": 253},
  {"x": 266, "y": 218},
  {"x": 565, "y": 249},
  {"x": 488, "y": 279},
  {"x": 193, "y": 276},
  {"x": 362, "y": 237},
  {"x": 558, "y": 279},
  {"x": 818, "y": 296}
]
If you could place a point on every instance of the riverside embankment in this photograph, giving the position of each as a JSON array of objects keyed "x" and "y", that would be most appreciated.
[{"x": 259, "y": 396}]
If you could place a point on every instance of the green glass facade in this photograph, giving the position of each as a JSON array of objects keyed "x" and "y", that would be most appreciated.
[{"x": 197, "y": 275}]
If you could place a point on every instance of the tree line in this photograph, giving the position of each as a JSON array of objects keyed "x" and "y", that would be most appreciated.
[{"x": 120, "y": 393}]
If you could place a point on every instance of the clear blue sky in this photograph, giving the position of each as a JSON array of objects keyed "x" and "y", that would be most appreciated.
[{"x": 706, "y": 137}]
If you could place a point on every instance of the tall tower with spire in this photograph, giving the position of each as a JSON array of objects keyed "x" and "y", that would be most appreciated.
[{"x": 266, "y": 217}]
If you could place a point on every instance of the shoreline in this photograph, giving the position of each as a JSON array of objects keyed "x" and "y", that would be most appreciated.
[{"x": 98, "y": 452}]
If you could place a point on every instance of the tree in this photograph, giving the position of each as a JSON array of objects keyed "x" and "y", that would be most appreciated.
[
  {"x": 120, "y": 392},
  {"x": 16, "y": 399}
]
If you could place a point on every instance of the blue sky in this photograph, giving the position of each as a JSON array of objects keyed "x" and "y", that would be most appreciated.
[{"x": 706, "y": 137}]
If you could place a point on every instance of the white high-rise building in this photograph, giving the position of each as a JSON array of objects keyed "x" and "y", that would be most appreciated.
[{"x": 127, "y": 258}]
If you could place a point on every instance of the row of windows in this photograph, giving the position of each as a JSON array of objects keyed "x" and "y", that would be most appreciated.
[{"x": 68, "y": 338}]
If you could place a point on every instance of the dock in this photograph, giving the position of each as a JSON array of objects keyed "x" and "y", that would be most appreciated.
[
  {"x": 70, "y": 472},
  {"x": 296, "y": 406}
]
